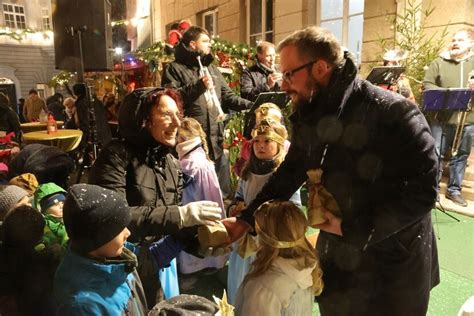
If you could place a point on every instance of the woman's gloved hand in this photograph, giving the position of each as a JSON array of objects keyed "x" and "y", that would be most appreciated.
[{"x": 199, "y": 213}]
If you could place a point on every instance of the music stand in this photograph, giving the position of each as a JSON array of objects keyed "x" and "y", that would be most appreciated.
[
  {"x": 456, "y": 99},
  {"x": 385, "y": 75},
  {"x": 280, "y": 99}
]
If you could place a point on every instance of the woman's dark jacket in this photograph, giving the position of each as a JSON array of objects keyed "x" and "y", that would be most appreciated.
[
  {"x": 143, "y": 171},
  {"x": 183, "y": 74},
  {"x": 254, "y": 81},
  {"x": 381, "y": 168}
]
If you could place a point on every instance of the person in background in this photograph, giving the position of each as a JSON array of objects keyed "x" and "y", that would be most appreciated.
[
  {"x": 452, "y": 69},
  {"x": 21, "y": 104},
  {"x": 174, "y": 35},
  {"x": 82, "y": 113},
  {"x": 286, "y": 275},
  {"x": 9, "y": 121},
  {"x": 56, "y": 107},
  {"x": 377, "y": 160},
  {"x": 262, "y": 76},
  {"x": 111, "y": 108},
  {"x": 184, "y": 74},
  {"x": 392, "y": 58},
  {"x": 71, "y": 117},
  {"x": 33, "y": 106},
  {"x": 98, "y": 273}
]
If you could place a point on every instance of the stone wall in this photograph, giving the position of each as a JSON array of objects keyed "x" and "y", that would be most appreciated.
[{"x": 31, "y": 65}]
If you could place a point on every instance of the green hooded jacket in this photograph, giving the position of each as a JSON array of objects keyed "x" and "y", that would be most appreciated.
[{"x": 54, "y": 235}]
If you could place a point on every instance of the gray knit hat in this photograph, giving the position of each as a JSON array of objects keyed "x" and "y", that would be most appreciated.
[{"x": 9, "y": 196}]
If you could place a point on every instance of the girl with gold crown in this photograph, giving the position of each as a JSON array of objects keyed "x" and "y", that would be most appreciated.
[
  {"x": 268, "y": 152},
  {"x": 285, "y": 276}
]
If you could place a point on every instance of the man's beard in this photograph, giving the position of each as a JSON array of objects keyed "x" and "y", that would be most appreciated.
[
  {"x": 202, "y": 53},
  {"x": 457, "y": 53},
  {"x": 313, "y": 86}
]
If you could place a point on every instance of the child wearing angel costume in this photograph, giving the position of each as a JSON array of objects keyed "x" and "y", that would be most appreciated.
[
  {"x": 268, "y": 152},
  {"x": 285, "y": 275},
  {"x": 201, "y": 184}
]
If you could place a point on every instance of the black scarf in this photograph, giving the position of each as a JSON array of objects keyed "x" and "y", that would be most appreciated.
[{"x": 261, "y": 166}]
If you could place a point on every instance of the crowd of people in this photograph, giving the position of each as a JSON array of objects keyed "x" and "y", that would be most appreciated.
[{"x": 154, "y": 201}]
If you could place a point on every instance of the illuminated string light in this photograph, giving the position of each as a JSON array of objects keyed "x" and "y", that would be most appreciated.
[{"x": 134, "y": 21}]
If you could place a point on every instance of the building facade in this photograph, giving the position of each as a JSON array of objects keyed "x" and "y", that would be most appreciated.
[
  {"x": 26, "y": 47},
  {"x": 359, "y": 24}
]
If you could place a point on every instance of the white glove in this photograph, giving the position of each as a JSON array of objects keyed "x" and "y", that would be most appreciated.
[{"x": 199, "y": 213}]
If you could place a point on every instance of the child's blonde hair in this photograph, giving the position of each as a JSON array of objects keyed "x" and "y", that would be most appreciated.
[
  {"x": 191, "y": 128},
  {"x": 271, "y": 130},
  {"x": 281, "y": 228}
]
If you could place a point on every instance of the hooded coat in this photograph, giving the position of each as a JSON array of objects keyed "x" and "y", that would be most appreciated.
[
  {"x": 381, "y": 167},
  {"x": 183, "y": 74},
  {"x": 144, "y": 171}
]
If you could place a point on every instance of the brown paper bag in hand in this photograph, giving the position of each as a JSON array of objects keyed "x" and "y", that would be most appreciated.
[
  {"x": 319, "y": 199},
  {"x": 213, "y": 235}
]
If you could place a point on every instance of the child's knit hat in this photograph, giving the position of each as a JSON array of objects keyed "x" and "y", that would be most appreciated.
[
  {"x": 9, "y": 196},
  {"x": 93, "y": 216},
  {"x": 26, "y": 181},
  {"x": 47, "y": 195}
]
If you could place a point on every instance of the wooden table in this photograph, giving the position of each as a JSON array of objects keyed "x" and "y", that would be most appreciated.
[
  {"x": 65, "y": 139},
  {"x": 37, "y": 126}
]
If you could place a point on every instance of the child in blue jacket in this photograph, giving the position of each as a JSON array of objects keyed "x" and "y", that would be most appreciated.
[{"x": 97, "y": 275}]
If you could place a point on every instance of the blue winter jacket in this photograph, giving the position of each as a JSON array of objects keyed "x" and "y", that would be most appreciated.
[{"x": 83, "y": 286}]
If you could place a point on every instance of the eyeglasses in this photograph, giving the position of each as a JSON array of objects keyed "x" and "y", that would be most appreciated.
[{"x": 287, "y": 75}]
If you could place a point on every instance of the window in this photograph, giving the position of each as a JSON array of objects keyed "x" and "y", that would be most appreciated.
[
  {"x": 14, "y": 16},
  {"x": 345, "y": 18},
  {"x": 259, "y": 21},
  {"x": 45, "y": 20},
  {"x": 209, "y": 21}
]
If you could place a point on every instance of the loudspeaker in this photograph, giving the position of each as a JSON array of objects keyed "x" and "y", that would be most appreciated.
[{"x": 92, "y": 18}]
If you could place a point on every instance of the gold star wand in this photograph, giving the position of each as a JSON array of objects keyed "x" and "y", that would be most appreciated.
[{"x": 225, "y": 309}]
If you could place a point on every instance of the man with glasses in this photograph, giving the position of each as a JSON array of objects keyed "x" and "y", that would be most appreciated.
[{"x": 378, "y": 163}]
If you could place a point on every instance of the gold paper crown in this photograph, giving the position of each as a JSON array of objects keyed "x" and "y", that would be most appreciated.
[
  {"x": 268, "y": 111},
  {"x": 265, "y": 129}
]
